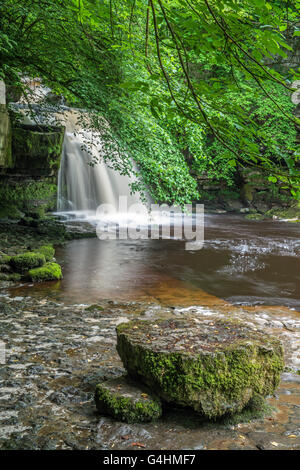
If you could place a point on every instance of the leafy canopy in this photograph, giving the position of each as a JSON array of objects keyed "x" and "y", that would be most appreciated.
[{"x": 166, "y": 74}]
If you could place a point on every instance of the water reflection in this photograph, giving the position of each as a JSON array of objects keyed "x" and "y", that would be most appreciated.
[{"x": 242, "y": 262}]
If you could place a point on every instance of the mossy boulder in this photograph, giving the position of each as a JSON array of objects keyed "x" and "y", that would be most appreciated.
[
  {"x": 292, "y": 212},
  {"x": 93, "y": 308},
  {"x": 214, "y": 366},
  {"x": 15, "y": 277},
  {"x": 26, "y": 261},
  {"x": 123, "y": 400},
  {"x": 48, "y": 272},
  {"x": 255, "y": 216},
  {"x": 46, "y": 250}
]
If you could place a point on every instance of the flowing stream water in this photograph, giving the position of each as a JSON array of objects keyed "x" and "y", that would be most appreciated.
[{"x": 243, "y": 262}]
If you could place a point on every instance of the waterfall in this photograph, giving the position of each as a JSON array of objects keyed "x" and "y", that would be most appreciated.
[
  {"x": 83, "y": 186},
  {"x": 85, "y": 180}
]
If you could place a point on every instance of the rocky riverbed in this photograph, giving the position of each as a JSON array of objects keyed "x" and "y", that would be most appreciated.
[{"x": 56, "y": 353}]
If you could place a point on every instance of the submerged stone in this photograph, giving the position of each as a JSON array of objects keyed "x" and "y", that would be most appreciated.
[
  {"x": 214, "y": 366},
  {"x": 48, "y": 272},
  {"x": 125, "y": 401}
]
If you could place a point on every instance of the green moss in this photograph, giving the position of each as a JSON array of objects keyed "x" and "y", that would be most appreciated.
[
  {"x": 257, "y": 408},
  {"x": 9, "y": 211},
  {"x": 46, "y": 250},
  {"x": 255, "y": 217},
  {"x": 126, "y": 402},
  {"x": 37, "y": 212},
  {"x": 37, "y": 150},
  {"x": 51, "y": 228},
  {"x": 26, "y": 261},
  {"x": 290, "y": 213},
  {"x": 247, "y": 193},
  {"x": 28, "y": 195},
  {"x": 215, "y": 382},
  {"x": 6, "y": 155},
  {"x": 4, "y": 259},
  {"x": 48, "y": 272},
  {"x": 10, "y": 277},
  {"x": 94, "y": 307}
]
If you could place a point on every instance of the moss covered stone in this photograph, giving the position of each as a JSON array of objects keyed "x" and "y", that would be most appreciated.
[
  {"x": 214, "y": 366},
  {"x": 292, "y": 212},
  {"x": 26, "y": 261},
  {"x": 46, "y": 250},
  {"x": 51, "y": 228},
  {"x": 122, "y": 399},
  {"x": 256, "y": 216},
  {"x": 48, "y": 272},
  {"x": 15, "y": 277},
  {"x": 94, "y": 307},
  {"x": 37, "y": 149}
]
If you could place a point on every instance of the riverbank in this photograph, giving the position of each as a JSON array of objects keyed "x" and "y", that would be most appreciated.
[
  {"x": 57, "y": 353},
  {"x": 60, "y": 337}
]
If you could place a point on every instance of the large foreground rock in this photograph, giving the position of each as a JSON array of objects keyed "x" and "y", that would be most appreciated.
[
  {"x": 214, "y": 366},
  {"x": 122, "y": 399}
]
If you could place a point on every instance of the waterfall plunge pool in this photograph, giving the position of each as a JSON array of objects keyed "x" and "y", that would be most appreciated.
[{"x": 243, "y": 262}]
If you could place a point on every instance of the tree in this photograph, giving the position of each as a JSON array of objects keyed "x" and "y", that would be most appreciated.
[{"x": 167, "y": 65}]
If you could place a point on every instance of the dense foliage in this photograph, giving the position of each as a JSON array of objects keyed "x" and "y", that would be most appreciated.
[{"x": 186, "y": 85}]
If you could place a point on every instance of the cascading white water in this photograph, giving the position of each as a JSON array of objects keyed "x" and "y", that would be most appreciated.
[
  {"x": 87, "y": 185},
  {"x": 82, "y": 186},
  {"x": 85, "y": 180}
]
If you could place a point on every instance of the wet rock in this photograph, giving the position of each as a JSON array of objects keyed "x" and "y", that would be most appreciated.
[
  {"x": 46, "y": 250},
  {"x": 25, "y": 261},
  {"x": 48, "y": 272},
  {"x": 94, "y": 307},
  {"x": 10, "y": 212},
  {"x": 37, "y": 149},
  {"x": 125, "y": 401},
  {"x": 51, "y": 228},
  {"x": 215, "y": 366},
  {"x": 234, "y": 205},
  {"x": 4, "y": 259}
]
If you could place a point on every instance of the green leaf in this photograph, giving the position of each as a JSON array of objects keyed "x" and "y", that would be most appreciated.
[{"x": 272, "y": 179}]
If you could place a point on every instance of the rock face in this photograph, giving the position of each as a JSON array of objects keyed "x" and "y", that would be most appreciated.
[
  {"x": 214, "y": 366},
  {"x": 6, "y": 157},
  {"x": 124, "y": 401},
  {"x": 37, "y": 150}
]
